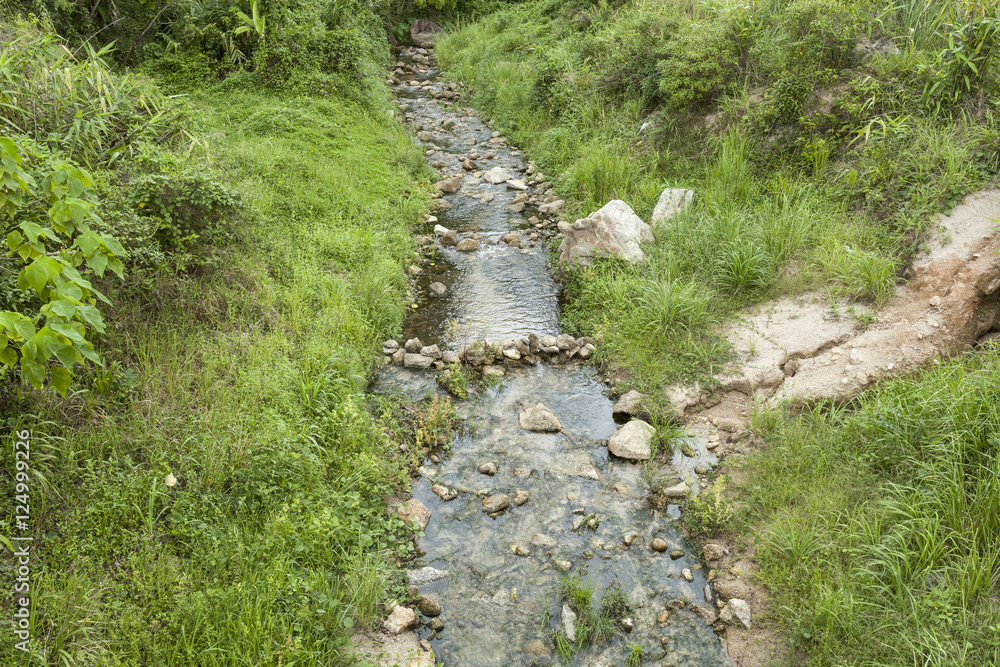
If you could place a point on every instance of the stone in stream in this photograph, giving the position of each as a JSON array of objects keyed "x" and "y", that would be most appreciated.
[
  {"x": 432, "y": 351},
  {"x": 449, "y": 238},
  {"x": 425, "y": 136},
  {"x": 536, "y": 647},
  {"x": 687, "y": 574},
  {"x": 520, "y": 497},
  {"x": 540, "y": 540},
  {"x": 429, "y": 606},
  {"x": 568, "y": 619},
  {"x": 613, "y": 231},
  {"x": 552, "y": 207},
  {"x": 413, "y": 345},
  {"x": 467, "y": 245},
  {"x": 449, "y": 357},
  {"x": 398, "y": 357},
  {"x": 488, "y": 468},
  {"x": 515, "y": 184},
  {"x": 415, "y": 512},
  {"x": 516, "y": 208},
  {"x": 562, "y": 565},
  {"x": 440, "y": 229},
  {"x": 400, "y": 619},
  {"x": 706, "y": 614},
  {"x": 389, "y": 347},
  {"x": 538, "y": 418},
  {"x": 633, "y": 441},
  {"x": 629, "y": 538},
  {"x": 628, "y": 404},
  {"x": 437, "y": 288},
  {"x": 680, "y": 490},
  {"x": 449, "y": 185},
  {"x": 586, "y": 351},
  {"x": 659, "y": 544},
  {"x": 497, "y": 175},
  {"x": 417, "y": 361},
  {"x": 443, "y": 492},
  {"x": 565, "y": 342},
  {"x": 426, "y": 575},
  {"x": 676, "y": 554},
  {"x": 512, "y": 238},
  {"x": 495, "y": 503}
]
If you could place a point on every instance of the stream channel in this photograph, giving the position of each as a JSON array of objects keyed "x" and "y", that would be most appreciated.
[{"x": 500, "y": 592}]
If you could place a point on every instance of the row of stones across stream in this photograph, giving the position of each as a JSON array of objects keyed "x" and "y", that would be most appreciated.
[{"x": 528, "y": 350}]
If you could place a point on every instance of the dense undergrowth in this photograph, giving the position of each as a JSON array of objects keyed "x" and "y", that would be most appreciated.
[
  {"x": 820, "y": 138},
  {"x": 880, "y": 521},
  {"x": 213, "y": 492}
]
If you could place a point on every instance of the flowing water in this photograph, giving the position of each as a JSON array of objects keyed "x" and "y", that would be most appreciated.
[{"x": 501, "y": 590}]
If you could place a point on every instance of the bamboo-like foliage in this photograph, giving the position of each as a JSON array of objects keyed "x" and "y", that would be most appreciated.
[{"x": 77, "y": 105}]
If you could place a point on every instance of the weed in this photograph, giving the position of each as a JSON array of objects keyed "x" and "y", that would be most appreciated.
[
  {"x": 709, "y": 513},
  {"x": 455, "y": 380}
]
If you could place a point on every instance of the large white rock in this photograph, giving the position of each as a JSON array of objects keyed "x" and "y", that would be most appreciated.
[
  {"x": 613, "y": 231},
  {"x": 633, "y": 441},
  {"x": 497, "y": 175},
  {"x": 538, "y": 418},
  {"x": 672, "y": 202},
  {"x": 568, "y": 619}
]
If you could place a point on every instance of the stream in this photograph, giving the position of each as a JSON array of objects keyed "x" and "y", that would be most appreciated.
[{"x": 497, "y": 577}]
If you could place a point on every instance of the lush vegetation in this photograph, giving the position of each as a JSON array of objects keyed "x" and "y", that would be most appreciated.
[
  {"x": 820, "y": 137},
  {"x": 212, "y": 488},
  {"x": 880, "y": 521}
]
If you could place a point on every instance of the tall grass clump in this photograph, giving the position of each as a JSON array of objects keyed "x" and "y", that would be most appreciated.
[{"x": 882, "y": 520}]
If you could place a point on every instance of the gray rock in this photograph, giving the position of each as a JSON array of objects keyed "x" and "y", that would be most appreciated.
[
  {"x": 568, "y": 619},
  {"x": 687, "y": 574},
  {"x": 437, "y": 288},
  {"x": 432, "y": 351},
  {"x": 398, "y": 357},
  {"x": 467, "y": 245},
  {"x": 449, "y": 238},
  {"x": 706, "y": 613},
  {"x": 417, "y": 361},
  {"x": 400, "y": 619},
  {"x": 390, "y": 347},
  {"x": 427, "y": 472},
  {"x": 423, "y": 32},
  {"x": 659, "y": 544},
  {"x": 512, "y": 353},
  {"x": 562, "y": 565},
  {"x": 736, "y": 612},
  {"x": 586, "y": 351},
  {"x": 429, "y": 606},
  {"x": 440, "y": 229},
  {"x": 547, "y": 341},
  {"x": 497, "y": 175},
  {"x": 415, "y": 512},
  {"x": 536, "y": 647},
  {"x": 615, "y": 230},
  {"x": 443, "y": 492},
  {"x": 676, "y": 554},
  {"x": 633, "y": 441},
  {"x": 672, "y": 202},
  {"x": 488, "y": 468},
  {"x": 540, "y": 540},
  {"x": 628, "y": 404},
  {"x": 729, "y": 589},
  {"x": 449, "y": 357},
  {"x": 680, "y": 490},
  {"x": 520, "y": 497},
  {"x": 413, "y": 345},
  {"x": 713, "y": 551},
  {"x": 552, "y": 207},
  {"x": 514, "y": 184},
  {"x": 426, "y": 575},
  {"x": 538, "y": 418},
  {"x": 495, "y": 503},
  {"x": 449, "y": 185},
  {"x": 565, "y": 342}
]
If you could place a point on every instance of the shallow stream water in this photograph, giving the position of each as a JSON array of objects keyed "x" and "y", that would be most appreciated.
[{"x": 501, "y": 587}]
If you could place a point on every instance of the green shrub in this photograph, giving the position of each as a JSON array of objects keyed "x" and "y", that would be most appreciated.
[
  {"x": 822, "y": 34},
  {"x": 697, "y": 62}
]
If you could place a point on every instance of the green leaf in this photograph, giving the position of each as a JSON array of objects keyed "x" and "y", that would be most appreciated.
[
  {"x": 113, "y": 245},
  {"x": 65, "y": 330},
  {"x": 60, "y": 379},
  {"x": 36, "y": 275},
  {"x": 14, "y": 239},
  {"x": 116, "y": 265},
  {"x": 86, "y": 348},
  {"x": 88, "y": 242},
  {"x": 91, "y": 316},
  {"x": 98, "y": 262},
  {"x": 8, "y": 356},
  {"x": 34, "y": 373},
  {"x": 32, "y": 230},
  {"x": 70, "y": 291},
  {"x": 63, "y": 308},
  {"x": 66, "y": 354}
]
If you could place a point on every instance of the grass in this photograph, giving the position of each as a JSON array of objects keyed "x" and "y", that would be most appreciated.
[
  {"x": 595, "y": 625},
  {"x": 244, "y": 378},
  {"x": 793, "y": 159},
  {"x": 881, "y": 521}
]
